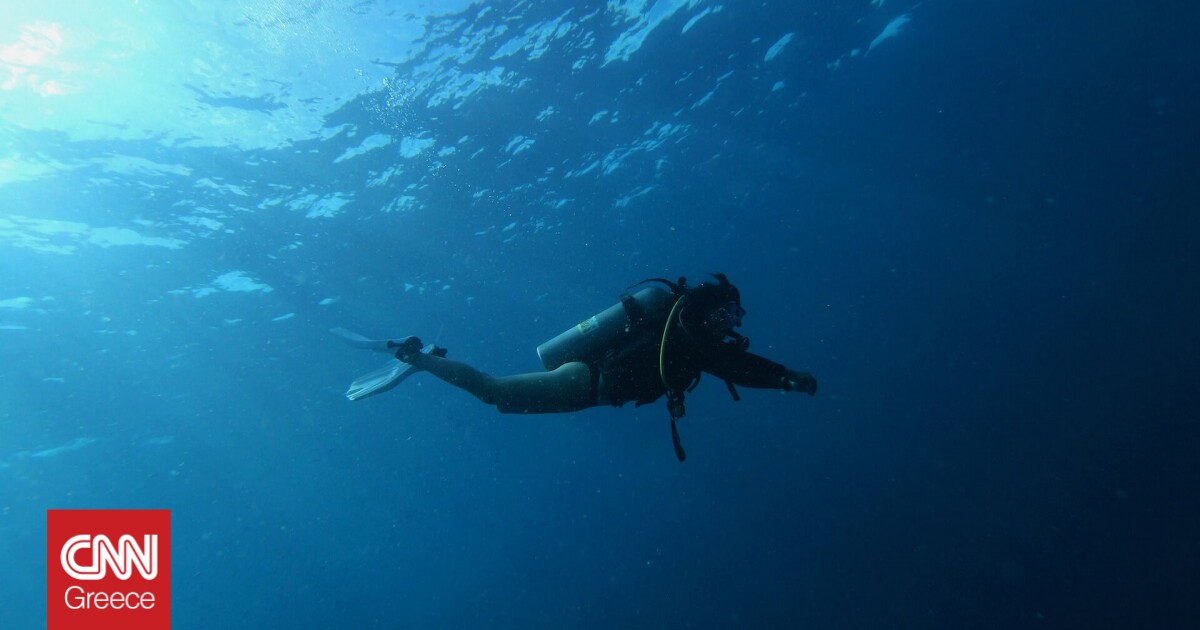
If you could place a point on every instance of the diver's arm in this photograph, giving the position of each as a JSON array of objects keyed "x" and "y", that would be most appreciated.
[
  {"x": 751, "y": 370},
  {"x": 797, "y": 381}
]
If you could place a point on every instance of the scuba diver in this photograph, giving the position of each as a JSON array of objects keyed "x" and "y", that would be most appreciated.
[{"x": 655, "y": 342}]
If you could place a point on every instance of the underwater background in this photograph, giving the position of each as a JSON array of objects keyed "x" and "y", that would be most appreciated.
[{"x": 975, "y": 223}]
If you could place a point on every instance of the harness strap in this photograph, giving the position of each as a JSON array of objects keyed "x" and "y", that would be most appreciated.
[
  {"x": 680, "y": 454},
  {"x": 733, "y": 391}
]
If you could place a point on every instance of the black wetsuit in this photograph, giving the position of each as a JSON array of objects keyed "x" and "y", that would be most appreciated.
[{"x": 633, "y": 375}]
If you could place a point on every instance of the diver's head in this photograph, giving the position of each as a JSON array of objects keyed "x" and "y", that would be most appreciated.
[{"x": 712, "y": 310}]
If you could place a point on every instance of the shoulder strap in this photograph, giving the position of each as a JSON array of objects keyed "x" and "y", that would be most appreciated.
[{"x": 634, "y": 312}]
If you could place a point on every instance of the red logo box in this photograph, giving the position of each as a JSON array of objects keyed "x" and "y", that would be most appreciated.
[{"x": 108, "y": 569}]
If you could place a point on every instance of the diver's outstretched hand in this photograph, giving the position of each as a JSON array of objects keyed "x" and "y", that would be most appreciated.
[{"x": 794, "y": 381}]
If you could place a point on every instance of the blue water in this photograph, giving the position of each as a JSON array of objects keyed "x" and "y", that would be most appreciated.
[{"x": 981, "y": 237}]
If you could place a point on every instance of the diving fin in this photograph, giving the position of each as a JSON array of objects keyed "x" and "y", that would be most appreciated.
[
  {"x": 380, "y": 380},
  {"x": 386, "y": 377},
  {"x": 361, "y": 342}
]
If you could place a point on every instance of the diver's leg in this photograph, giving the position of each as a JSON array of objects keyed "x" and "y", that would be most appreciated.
[{"x": 568, "y": 388}]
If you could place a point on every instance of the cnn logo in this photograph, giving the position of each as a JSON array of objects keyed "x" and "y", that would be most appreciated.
[
  {"x": 108, "y": 569},
  {"x": 123, "y": 557}
]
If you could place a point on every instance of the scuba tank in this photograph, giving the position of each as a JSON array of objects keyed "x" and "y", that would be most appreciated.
[
  {"x": 589, "y": 340},
  {"x": 624, "y": 324}
]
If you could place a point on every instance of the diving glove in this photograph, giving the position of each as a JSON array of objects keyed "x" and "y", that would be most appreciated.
[
  {"x": 794, "y": 381},
  {"x": 405, "y": 348}
]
